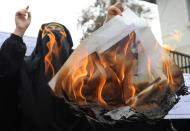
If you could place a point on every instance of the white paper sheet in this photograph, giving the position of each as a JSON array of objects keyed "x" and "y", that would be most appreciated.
[{"x": 115, "y": 30}]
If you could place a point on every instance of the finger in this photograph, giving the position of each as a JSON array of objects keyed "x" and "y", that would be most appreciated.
[
  {"x": 114, "y": 11},
  {"x": 29, "y": 16},
  {"x": 27, "y": 7},
  {"x": 21, "y": 13},
  {"x": 25, "y": 10},
  {"x": 119, "y": 5}
]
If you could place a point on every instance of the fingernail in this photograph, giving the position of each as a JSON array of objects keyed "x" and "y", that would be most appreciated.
[{"x": 27, "y": 7}]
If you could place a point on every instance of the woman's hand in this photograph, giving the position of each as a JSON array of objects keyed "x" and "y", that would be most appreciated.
[
  {"x": 114, "y": 10},
  {"x": 22, "y": 21}
]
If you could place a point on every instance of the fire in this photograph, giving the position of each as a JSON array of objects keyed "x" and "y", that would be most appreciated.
[
  {"x": 149, "y": 69},
  {"x": 101, "y": 84},
  {"x": 48, "y": 57},
  {"x": 104, "y": 78},
  {"x": 108, "y": 78},
  {"x": 175, "y": 35},
  {"x": 53, "y": 49},
  {"x": 167, "y": 47},
  {"x": 168, "y": 72},
  {"x": 78, "y": 81}
]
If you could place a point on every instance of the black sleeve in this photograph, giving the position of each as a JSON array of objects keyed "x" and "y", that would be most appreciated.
[{"x": 12, "y": 55}]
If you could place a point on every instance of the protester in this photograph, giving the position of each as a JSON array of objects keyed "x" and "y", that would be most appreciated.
[
  {"x": 27, "y": 102},
  {"x": 26, "y": 97}
]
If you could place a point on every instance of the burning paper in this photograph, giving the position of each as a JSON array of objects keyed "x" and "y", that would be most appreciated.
[{"x": 120, "y": 64}]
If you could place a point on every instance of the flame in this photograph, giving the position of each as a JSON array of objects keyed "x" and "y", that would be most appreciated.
[
  {"x": 149, "y": 68},
  {"x": 48, "y": 57},
  {"x": 90, "y": 67},
  {"x": 101, "y": 84},
  {"x": 129, "y": 42},
  {"x": 122, "y": 73},
  {"x": 53, "y": 49},
  {"x": 131, "y": 87},
  {"x": 104, "y": 78},
  {"x": 78, "y": 81},
  {"x": 167, "y": 68},
  {"x": 108, "y": 79},
  {"x": 167, "y": 47},
  {"x": 175, "y": 35}
]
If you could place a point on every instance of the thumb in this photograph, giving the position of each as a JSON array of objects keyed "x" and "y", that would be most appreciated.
[{"x": 29, "y": 16}]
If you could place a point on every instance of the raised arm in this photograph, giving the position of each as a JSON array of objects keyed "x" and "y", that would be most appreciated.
[
  {"x": 22, "y": 21},
  {"x": 13, "y": 49},
  {"x": 12, "y": 55}
]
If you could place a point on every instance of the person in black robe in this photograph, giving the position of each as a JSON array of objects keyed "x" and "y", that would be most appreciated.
[{"x": 26, "y": 99}]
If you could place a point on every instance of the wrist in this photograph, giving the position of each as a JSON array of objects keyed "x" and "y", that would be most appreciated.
[
  {"x": 16, "y": 38},
  {"x": 19, "y": 32}
]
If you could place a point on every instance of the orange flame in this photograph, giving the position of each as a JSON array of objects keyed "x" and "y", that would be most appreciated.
[
  {"x": 101, "y": 84},
  {"x": 167, "y": 68},
  {"x": 167, "y": 47},
  {"x": 48, "y": 57},
  {"x": 53, "y": 49},
  {"x": 102, "y": 78},
  {"x": 109, "y": 78},
  {"x": 149, "y": 68},
  {"x": 78, "y": 80}
]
